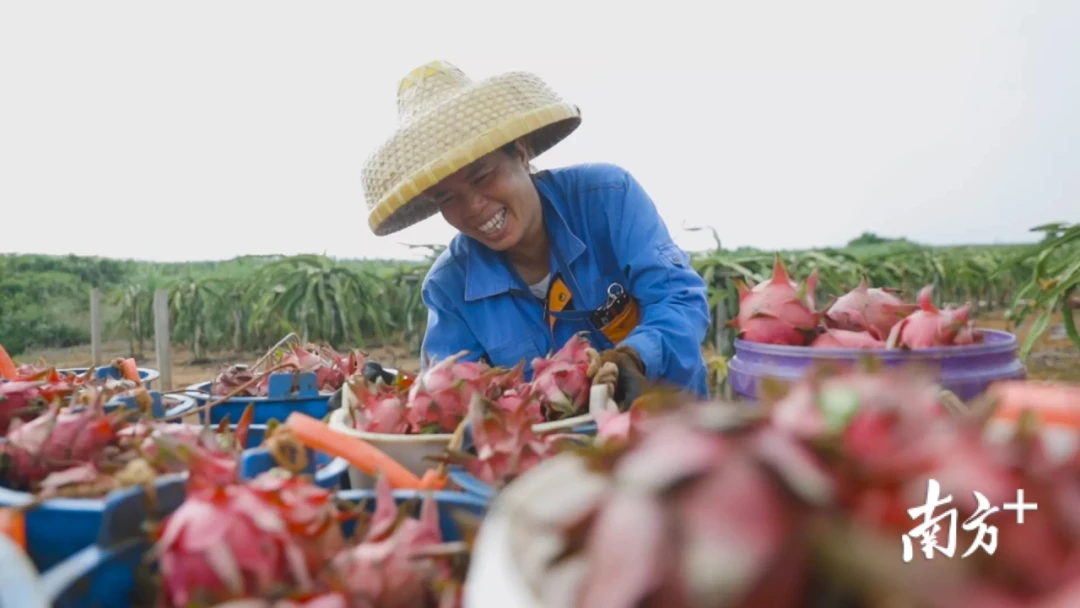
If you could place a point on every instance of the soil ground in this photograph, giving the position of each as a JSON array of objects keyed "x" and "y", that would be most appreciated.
[{"x": 1054, "y": 357}]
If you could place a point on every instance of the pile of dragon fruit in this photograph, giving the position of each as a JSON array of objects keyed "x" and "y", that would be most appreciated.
[
  {"x": 60, "y": 440},
  {"x": 77, "y": 449},
  {"x": 439, "y": 399},
  {"x": 499, "y": 404},
  {"x": 331, "y": 369},
  {"x": 278, "y": 541},
  {"x": 856, "y": 487},
  {"x": 783, "y": 311},
  {"x": 35, "y": 385}
]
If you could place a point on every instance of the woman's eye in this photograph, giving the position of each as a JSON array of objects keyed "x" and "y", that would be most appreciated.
[{"x": 482, "y": 177}]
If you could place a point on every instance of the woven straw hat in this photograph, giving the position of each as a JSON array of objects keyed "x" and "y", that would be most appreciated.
[{"x": 445, "y": 122}]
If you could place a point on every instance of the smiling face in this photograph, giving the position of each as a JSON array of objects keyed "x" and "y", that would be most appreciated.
[{"x": 493, "y": 200}]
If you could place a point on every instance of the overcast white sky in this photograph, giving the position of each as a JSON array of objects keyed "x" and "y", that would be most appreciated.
[{"x": 205, "y": 130}]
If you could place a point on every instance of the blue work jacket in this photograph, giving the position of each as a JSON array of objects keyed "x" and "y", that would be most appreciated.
[{"x": 603, "y": 229}]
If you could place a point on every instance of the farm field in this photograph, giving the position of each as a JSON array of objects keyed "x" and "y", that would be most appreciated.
[
  {"x": 232, "y": 311},
  {"x": 1054, "y": 357}
]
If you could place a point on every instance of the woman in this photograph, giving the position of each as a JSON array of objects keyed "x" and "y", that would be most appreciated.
[{"x": 540, "y": 256}]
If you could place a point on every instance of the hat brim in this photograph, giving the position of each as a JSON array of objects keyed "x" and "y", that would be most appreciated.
[{"x": 400, "y": 207}]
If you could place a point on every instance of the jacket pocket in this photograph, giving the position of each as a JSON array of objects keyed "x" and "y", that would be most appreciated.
[{"x": 517, "y": 346}]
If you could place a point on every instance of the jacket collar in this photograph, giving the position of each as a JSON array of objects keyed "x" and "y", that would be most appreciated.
[{"x": 489, "y": 273}]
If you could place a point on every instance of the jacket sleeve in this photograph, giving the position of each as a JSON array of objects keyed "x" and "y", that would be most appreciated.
[
  {"x": 673, "y": 297},
  {"x": 447, "y": 332}
]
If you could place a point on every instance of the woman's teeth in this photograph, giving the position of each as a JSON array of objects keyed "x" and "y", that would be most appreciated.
[{"x": 495, "y": 224}]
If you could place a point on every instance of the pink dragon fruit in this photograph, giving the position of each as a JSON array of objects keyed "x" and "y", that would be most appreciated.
[
  {"x": 505, "y": 443},
  {"x": 58, "y": 439},
  {"x": 929, "y": 327},
  {"x": 309, "y": 512},
  {"x": 232, "y": 377},
  {"x": 513, "y": 400},
  {"x": 375, "y": 408},
  {"x": 613, "y": 426},
  {"x": 865, "y": 309},
  {"x": 329, "y": 375},
  {"x": 843, "y": 338},
  {"x": 19, "y": 399},
  {"x": 439, "y": 398},
  {"x": 562, "y": 379},
  {"x": 777, "y": 311},
  {"x": 386, "y": 568},
  {"x": 231, "y": 541}
]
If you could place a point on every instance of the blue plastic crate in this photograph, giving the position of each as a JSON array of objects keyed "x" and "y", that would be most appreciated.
[
  {"x": 61, "y": 526},
  {"x": 163, "y": 405},
  {"x": 147, "y": 375},
  {"x": 98, "y": 577},
  {"x": 280, "y": 400}
]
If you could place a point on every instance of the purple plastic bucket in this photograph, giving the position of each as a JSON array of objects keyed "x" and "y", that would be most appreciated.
[{"x": 965, "y": 370}]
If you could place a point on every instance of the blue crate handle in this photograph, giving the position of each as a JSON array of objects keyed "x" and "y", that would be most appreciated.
[
  {"x": 255, "y": 461},
  {"x": 180, "y": 403}
]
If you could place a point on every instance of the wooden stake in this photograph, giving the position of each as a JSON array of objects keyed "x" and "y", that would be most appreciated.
[
  {"x": 161, "y": 338},
  {"x": 95, "y": 327}
]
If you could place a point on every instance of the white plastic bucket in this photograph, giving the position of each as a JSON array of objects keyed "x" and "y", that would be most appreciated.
[{"x": 495, "y": 578}]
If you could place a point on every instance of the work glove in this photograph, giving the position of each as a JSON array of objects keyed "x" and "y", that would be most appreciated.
[{"x": 622, "y": 370}]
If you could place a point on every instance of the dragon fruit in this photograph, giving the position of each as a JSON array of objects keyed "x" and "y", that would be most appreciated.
[
  {"x": 929, "y": 327},
  {"x": 778, "y": 311},
  {"x": 614, "y": 426},
  {"x": 20, "y": 399},
  {"x": 843, "y": 338},
  {"x": 236, "y": 540},
  {"x": 684, "y": 516},
  {"x": 233, "y": 377},
  {"x": 865, "y": 309},
  {"x": 562, "y": 379},
  {"x": 57, "y": 439},
  {"x": 375, "y": 407},
  {"x": 520, "y": 398},
  {"x": 309, "y": 512},
  {"x": 439, "y": 398},
  {"x": 387, "y": 568},
  {"x": 718, "y": 507},
  {"x": 505, "y": 443},
  {"x": 329, "y": 373}
]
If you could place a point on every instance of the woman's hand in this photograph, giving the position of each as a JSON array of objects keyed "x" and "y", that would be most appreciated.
[{"x": 621, "y": 370}]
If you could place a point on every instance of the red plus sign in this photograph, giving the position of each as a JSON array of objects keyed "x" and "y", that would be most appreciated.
[{"x": 1019, "y": 506}]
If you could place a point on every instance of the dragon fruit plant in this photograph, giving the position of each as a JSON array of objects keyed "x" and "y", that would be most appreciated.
[
  {"x": 782, "y": 311},
  {"x": 802, "y": 503},
  {"x": 277, "y": 540}
]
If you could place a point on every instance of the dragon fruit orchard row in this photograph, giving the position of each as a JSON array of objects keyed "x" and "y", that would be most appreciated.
[{"x": 784, "y": 312}]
